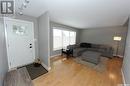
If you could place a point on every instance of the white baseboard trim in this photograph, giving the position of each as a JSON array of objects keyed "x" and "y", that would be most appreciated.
[
  {"x": 55, "y": 55},
  {"x": 123, "y": 77},
  {"x": 46, "y": 67},
  {"x": 12, "y": 69},
  {"x": 118, "y": 55}
]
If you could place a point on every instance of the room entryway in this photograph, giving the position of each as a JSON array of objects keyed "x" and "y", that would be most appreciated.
[{"x": 20, "y": 42}]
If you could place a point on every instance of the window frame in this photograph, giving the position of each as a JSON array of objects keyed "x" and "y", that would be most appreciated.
[{"x": 62, "y": 29}]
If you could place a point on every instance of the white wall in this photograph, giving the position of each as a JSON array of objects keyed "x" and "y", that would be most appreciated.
[
  {"x": 126, "y": 61},
  {"x": 53, "y": 24},
  {"x": 105, "y": 36},
  {"x": 34, "y": 20},
  {"x": 44, "y": 39},
  {"x": 3, "y": 54}
]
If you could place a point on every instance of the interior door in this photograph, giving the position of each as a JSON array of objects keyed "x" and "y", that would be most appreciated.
[{"x": 20, "y": 42}]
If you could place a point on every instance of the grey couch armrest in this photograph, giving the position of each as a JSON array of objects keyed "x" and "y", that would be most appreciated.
[
  {"x": 107, "y": 50},
  {"x": 73, "y": 46},
  {"x": 78, "y": 51}
]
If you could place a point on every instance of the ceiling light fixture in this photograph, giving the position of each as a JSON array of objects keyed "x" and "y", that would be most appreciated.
[
  {"x": 27, "y": 1},
  {"x": 23, "y": 6},
  {"x": 20, "y": 13}
]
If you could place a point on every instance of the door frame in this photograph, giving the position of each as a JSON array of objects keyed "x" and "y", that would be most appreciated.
[{"x": 6, "y": 39}]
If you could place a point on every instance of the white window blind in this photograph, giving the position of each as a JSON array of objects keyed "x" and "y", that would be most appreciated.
[
  {"x": 63, "y": 38},
  {"x": 72, "y": 38},
  {"x": 57, "y": 39}
]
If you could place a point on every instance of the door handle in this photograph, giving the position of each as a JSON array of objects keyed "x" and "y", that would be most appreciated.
[{"x": 30, "y": 47}]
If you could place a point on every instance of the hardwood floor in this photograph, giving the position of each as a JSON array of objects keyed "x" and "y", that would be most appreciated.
[
  {"x": 19, "y": 77},
  {"x": 69, "y": 73}
]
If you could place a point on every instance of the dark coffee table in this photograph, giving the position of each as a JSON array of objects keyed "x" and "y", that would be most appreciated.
[{"x": 91, "y": 56}]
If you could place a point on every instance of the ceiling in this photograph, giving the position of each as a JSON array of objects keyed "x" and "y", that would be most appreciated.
[{"x": 81, "y": 13}]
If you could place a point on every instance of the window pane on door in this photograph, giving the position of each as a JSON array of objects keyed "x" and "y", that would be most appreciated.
[
  {"x": 57, "y": 39},
  {"x": 19, "y": 30},
  {"x": 65, "y": 39}
]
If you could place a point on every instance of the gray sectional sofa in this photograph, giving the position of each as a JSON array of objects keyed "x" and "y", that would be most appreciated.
[{"x": 78, "y": 49}]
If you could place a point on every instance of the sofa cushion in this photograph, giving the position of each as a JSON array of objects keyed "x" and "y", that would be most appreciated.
[
  {"x": 95, "y": 46},
  {"x": 92, "y": 49},
  {"x": 78, "y": 51},
  {"x": 73, "y": 46},
  {"x": 85, "y": 45}
]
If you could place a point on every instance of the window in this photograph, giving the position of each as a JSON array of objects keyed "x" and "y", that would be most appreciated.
[
  {"x": 63, "y": 38},
  {"x": 19, "y": 30},
  {"x": 72, "y": 38},
  {"x": 57, "y": 39}
]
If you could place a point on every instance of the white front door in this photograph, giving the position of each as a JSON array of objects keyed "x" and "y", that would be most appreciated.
[{"x": 20, "y": 42}]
